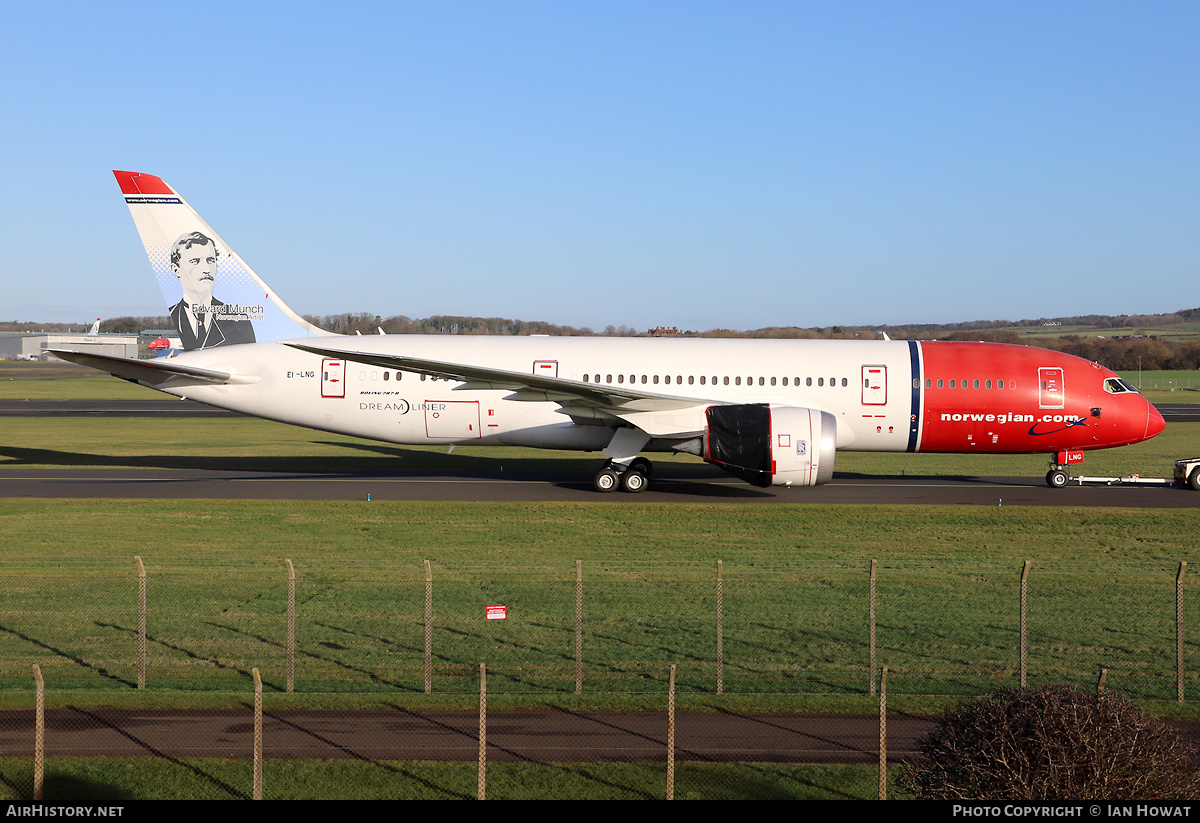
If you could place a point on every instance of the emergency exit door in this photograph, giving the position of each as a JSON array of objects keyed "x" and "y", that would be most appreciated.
[
  {"x": 1051, "y": 391},
  {"x": 333, "y": 377},
  {"x": 874, "y": 385}
]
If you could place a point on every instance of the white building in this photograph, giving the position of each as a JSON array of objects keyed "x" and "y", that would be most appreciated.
[{"x": 33, "y": 345}]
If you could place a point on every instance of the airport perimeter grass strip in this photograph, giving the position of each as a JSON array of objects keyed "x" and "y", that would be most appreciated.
[
  {"x": 795, "y": 594},
  {"x": 116, "y": 780}
]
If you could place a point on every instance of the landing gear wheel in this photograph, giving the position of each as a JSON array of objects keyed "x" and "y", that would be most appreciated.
[
  {"x": 1056, "y": 478},
  {"x": 1194, "y": 480},
  {"x": 633, "y": 481},
  {"x": 641, "y": 464},
  {"x": 606, "y": 480}
]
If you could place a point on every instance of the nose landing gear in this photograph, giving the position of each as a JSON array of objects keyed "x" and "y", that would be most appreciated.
[{"x": 1056, "y": 478}]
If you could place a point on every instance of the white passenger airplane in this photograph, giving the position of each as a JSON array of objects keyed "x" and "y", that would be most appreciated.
[{"x": 772, "y": 412}]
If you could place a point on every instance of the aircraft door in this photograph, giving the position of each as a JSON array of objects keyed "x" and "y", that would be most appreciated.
[
  {"x": 874, "y": 385},
  {"x": 1052, "y": 394},
  {"x": 545, "y": 368},
  {"x": 333, "y": 377}
]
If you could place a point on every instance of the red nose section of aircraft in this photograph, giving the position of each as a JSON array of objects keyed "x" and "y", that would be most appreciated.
[
  {"x": 1016, "y": 399},
  {"x": 1154, "y": 421}
]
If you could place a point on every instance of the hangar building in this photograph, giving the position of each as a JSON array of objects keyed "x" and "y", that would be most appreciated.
[{"x": 33, "y": 345}]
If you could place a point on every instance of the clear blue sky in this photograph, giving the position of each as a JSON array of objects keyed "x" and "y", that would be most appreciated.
[{"x": 693, "y": 164}]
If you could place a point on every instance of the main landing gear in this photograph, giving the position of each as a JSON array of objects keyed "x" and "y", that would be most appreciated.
[{"x": 632, "y": 477}]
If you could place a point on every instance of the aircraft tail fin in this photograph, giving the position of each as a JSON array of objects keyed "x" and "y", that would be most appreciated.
[
  {"x": 95, "y": 327},
  {"x": 215, "y": 298}
]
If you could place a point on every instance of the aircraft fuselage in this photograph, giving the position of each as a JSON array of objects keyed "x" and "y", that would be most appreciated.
[{"x": 886, "y": 396}]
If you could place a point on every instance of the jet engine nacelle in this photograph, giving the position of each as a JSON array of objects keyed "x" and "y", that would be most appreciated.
[{"x": 769, "y": 445}]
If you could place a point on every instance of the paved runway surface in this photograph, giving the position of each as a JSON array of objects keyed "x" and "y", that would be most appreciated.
[
  {"x": 562, "y": 736},
  {"x": 399, "y": 734},
  {"x": 110, "y": 408},
  {"x": 508, "y": 486}
]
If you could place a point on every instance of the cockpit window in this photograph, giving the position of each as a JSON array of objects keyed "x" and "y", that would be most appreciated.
[{"x": 1116, "y": 385}]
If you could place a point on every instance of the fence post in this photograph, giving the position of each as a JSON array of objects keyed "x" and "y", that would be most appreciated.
[
  {"x": 871, "y": 630},
  {"x": 1179, "y": 630},
  {"x": 141, "y": 573},
  {"x": 258, "y": 735},
  {"x": 720, "y": 630},
  {"x": 39, "y": 733},
  {"x": 671, "y": 736},
  {"x": 578, "y": 627},
  {"x": 428, "y": 628},
  {"x": 883, "y": 734},
  {"x": 1102, "y": 683},
  {"x": 482, "y": 731},
  {"x": 291, "y": 627},
  {"x": 1024, "y": 623}
]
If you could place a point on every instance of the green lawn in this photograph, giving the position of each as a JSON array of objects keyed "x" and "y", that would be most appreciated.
[
  {"x": 795, "y": 595},
  {"x": 124, "y": 779}
]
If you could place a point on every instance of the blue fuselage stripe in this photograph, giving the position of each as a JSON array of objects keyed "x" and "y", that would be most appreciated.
[{"x": 914, "y": 355}]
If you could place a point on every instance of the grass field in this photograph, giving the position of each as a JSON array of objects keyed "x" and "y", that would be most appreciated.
[
  {"x": 118, "y": 780},
  {"x": 795, "y": 595}
]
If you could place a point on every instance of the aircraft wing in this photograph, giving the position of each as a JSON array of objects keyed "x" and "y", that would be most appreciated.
[
  {"x": 154, "y": 372},
  {"x": 658, "y": 415}
]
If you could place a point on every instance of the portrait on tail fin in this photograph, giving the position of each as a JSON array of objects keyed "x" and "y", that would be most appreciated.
[{"x": 202, "y": 320}]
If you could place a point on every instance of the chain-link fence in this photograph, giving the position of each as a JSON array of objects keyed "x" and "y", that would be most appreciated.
[
  {"x": 594, "y": 628},
  {"x": 368, "y": 676}
]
